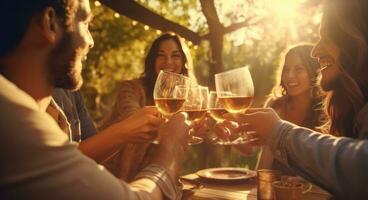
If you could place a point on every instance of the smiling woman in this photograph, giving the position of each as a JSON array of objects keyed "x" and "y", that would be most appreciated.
[
  {"x": 297, "y": 98},
  {"x": 169, "y": 53}
]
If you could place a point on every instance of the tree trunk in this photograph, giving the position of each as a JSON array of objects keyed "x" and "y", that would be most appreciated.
[{"x": 216, "y": 36}]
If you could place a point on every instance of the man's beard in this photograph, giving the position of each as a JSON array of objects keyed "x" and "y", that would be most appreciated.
[
  {"x": 63, "y": 65},
  {"x": 331, "y": 85}
]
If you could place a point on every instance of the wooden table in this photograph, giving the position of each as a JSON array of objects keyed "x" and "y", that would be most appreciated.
[{"x": 243, "y": 190}]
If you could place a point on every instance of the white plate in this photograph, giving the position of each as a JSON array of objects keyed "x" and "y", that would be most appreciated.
[{"x": 226, "y": 173}]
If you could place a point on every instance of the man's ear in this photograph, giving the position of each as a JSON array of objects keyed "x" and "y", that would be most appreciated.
[{"x": 50, "y": 24}]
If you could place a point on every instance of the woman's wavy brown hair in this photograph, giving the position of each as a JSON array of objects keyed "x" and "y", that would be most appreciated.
[
  {"x": 279, "y": 93},
  {"x": 346, "y": 23},
  {"x": 149, "y": 76}
]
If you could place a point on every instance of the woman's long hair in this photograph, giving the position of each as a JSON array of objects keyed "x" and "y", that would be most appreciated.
[
  {"x": 346, "y": 23},
  {"x": 279, "y": 93},
  {"x": 149, "y": 76}
]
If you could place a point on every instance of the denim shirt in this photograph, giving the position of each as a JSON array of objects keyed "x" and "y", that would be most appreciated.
[
  {"x": 338, "y": 164},
  {"x": 81, "y": 124}
]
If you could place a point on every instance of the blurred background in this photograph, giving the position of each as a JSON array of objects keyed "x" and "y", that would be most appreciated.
[{"x": 221, "y": 34}]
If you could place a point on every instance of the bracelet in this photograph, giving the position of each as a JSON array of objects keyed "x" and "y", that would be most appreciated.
[{"x": 159, "y": 174}]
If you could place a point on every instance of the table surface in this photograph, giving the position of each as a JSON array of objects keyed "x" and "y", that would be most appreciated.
[{"x": 246, "y": 189}]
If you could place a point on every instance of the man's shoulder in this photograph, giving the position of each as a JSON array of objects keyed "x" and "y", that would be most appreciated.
[
  {"x": 10, "y": 93},
  {"x": 21, "y": 118},
  {"x": 39, "y": 161}
]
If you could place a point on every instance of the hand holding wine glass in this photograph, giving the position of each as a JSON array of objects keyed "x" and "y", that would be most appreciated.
[
  {"x": 217, "y": 112},
  {"x": 195, "y": 108},
  {"x": 201, "y": 126},
  {"x": 235, "y": 93},
  {"x": 166, "y": 96},
  {"x": 216, "y": 109}
]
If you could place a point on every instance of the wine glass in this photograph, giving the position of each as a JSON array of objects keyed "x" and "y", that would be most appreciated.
[
  {"x": 194, "y": 107},
  {"x": 167, "y": 98},
  {"x": 235, "y": 92},
  {"x": 205, "y": 96},
  {"x": 217, "y": 112},
  {"x": 204, "y": 109}
]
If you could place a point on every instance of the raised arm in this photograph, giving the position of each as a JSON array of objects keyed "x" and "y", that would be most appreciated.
[
  {"x": 128, "y": 123},
  {"x": 41, "y": 163},
  {"x": 137, "y": 128},
  {"x": 337, "y": 164}
]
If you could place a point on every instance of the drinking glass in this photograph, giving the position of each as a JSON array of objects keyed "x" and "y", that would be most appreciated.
[
  {"x": 235, "y": 93},
  {"x": 205, "y": 101},
  {"x": 196, "y": 108},
  {"x": 265, "y": 179},
  {"x": 205, "y": 97},
  {"x": 217, "y": 112},
  {"x": 167, "y": 98},
  {"x": 289, "y": 189}
]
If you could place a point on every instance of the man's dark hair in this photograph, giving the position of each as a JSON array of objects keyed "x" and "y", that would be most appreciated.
[
  {"x": 345, "y": 23},
  {"x": 15, "y": 16}
]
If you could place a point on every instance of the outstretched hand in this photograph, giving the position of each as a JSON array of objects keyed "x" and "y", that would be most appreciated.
[
  {"x": 174, "y": 131},
  {"x": 256, "y": 122},
  {"x": 141, "y": 126},
  {"x": 201, "y": 127},
  {"x": 173, "y": 141}
]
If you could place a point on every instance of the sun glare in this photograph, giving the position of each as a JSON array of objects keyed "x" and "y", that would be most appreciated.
[
  {"x": 283, "y": 16},
  {"x": 285, "y": 9}
]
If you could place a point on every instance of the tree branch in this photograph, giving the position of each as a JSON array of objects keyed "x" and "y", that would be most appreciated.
[
  {"x": 135, "y": 11},
  {"x": 236, "y": 26}
]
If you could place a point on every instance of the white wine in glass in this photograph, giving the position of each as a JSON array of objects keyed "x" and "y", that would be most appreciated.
[
  {"x": 235, "y": 92},
  {"x": 167, "y": 99},
  {"x": 235, "y": 104},
  {"x": 169, "y": 106},
  {"x": 216, "y": 109},
  {"x": 217, "y": 112},
  {"x": 235, "y": 89},
  {"x": 195, "y": 106},
  {"x": 199, "y": 113}
]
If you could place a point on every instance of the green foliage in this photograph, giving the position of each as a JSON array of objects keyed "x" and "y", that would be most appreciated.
[{"x": 120, "y": 46}]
